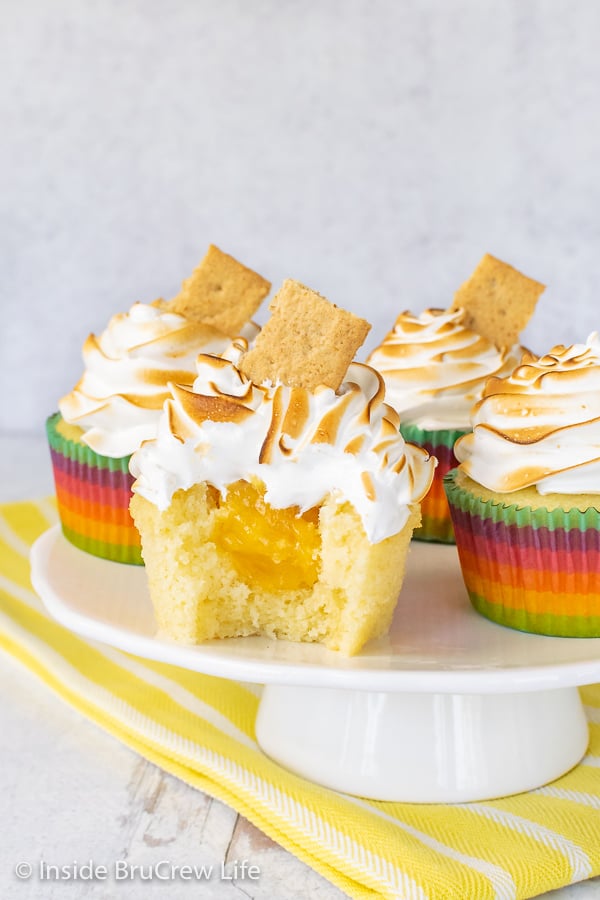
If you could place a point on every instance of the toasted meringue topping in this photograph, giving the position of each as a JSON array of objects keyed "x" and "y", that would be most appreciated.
[
  {"x": 302, "y": 445},
  {"x": 539, "y": 425},
  {"x": 435, "y": 369},
  {"x": 119, "y": 399}
]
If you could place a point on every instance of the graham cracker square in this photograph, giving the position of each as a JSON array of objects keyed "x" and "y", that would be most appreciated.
[
  {"x": 307, "y": 342},
  {"x": 221, "y": 292},
  {"x": 498, "y": 301}
]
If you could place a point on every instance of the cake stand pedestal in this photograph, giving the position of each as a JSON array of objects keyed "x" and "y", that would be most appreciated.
[
  {"x": 447, "y": 708},
  {"x": 423, "y": 747}
]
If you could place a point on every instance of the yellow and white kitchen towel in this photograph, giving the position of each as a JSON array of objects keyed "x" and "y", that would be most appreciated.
[{"x": 201, "y": 729}]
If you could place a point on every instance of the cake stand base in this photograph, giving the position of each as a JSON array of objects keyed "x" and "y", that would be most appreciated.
[
  {"x": 423, "y": 747},
  {"x": 447, "y": 708}
]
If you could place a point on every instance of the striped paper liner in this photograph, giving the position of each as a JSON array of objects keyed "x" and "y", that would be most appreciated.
[
  {"x": 201, "y": 729},
  {"x": 436, "y": 522},
  {"x": 532, "y": 569},
  {"x": 93, "y": 494}
]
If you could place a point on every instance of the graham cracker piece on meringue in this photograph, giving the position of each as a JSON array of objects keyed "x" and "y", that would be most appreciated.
[
  {"x": 307, "y": 342},
  {"x": 221, "y": 292},
  {"x": 498, "y": 301}
]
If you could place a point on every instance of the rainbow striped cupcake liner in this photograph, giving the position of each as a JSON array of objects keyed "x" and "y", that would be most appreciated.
[
  {"x": 436, "y": 522},
  {"x": 535, "y": 570},
  {"x": 93, "y": 494}
]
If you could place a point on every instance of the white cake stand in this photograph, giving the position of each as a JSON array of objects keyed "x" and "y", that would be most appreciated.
[{"x": 448, "y": 708}]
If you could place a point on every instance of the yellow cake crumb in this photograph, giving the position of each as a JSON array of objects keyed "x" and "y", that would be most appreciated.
[
  {"x": 341, "y": 590},
  {"x": 527, "y": 497},
  {"x": 69, "y": 432}
]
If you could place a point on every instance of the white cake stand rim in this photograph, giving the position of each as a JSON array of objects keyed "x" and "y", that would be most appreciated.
[{"x": 62, "y": 575}]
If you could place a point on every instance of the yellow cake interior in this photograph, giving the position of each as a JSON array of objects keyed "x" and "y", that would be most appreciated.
[
  {"x": 68, "y": 431},
  {"x": 527, "y": 497},
  {"x": 231, "y": 566}
]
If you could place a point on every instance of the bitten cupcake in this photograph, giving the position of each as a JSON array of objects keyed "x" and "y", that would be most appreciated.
[
  {"x": 525, "y": 500},
  {"x": 279, "y": 497},
  {"x": 117, "y": 403},
  {"x": 435, "y": 366}
]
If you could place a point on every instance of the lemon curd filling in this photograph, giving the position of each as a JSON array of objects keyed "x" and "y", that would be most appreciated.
[{"x": 270, "y": 549}]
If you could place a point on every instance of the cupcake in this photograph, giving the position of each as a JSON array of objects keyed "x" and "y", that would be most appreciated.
[
  {"x": 435, "y": 366},
  {"x": 525, "y": 499},
  {"x": 279, "y": 497},
  {"x": 117, "y": 403}
]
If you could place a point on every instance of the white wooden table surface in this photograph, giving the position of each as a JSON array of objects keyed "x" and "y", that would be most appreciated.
[{"x": 71, "y": 793}]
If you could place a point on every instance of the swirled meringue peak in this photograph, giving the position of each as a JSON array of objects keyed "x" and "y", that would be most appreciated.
[
  {"x": 303, "y": 445},
  {"x": 540, "y": 425},
  {"x": 435, "y": 368},
  {"x": 119, "y": 398}
]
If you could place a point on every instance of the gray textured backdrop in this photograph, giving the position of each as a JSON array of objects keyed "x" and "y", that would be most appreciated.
[{"x": 374, "y": 150}]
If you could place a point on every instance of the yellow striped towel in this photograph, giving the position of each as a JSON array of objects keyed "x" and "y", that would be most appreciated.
[{"x": 201, "y": 729}]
